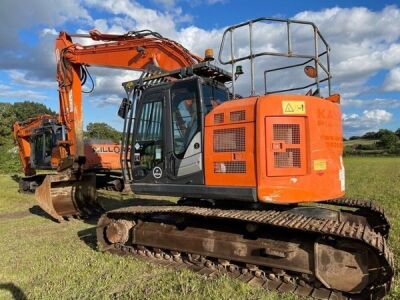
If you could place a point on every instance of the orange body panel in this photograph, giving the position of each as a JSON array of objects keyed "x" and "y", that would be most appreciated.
[
  {"x": 293, "y": 148},
  {"x": 103, "y": 155},
  {"x": 229, "y": 158}
]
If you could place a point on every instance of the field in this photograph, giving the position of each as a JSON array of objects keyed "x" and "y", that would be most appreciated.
[
  {"x": 359, "y": 142},
  {"x": 41, "y": 259}
]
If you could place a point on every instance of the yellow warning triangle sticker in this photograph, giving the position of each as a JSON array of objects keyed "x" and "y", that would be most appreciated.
[
  {"x": 293, "y": 107},
  {"x": 289, "y": 108}
]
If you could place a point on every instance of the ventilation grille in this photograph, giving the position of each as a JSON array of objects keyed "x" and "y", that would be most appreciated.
[
  {"x": 229, "y": 140},
  {"x": 239, "y": 115},
  {"x": 230, "y": 167},
  {"x": 219, "y": 118},
  {"x": 290, "y": 133},
  {"x": 289, "y": 159}
]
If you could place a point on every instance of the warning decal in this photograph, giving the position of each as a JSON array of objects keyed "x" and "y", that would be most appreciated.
[
  {"x": 293, "y": 107},
  {"x": 319, "y": 165}
]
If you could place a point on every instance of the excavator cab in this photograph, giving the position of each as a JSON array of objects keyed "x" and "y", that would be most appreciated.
[
  {"x": 43, "y": 141},
  {"x": 167, "y": 136},
  {"x": 168, "y": 131}
]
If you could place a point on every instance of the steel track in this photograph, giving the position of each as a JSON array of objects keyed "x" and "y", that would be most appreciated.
[
  {"x": 374, "y": 212},
  {"x": 261, "y": 276}
]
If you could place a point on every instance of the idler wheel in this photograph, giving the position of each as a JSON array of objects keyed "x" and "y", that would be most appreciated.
[{"x": 118, "y": 231}]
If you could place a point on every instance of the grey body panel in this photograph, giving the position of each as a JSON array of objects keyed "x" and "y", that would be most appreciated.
[{"x": 192, "y": 161}]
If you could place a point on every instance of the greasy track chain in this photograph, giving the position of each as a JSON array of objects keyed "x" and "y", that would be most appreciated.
[
  {"x": 211, "y": 268},
  {"x": 328, "y": 227},
  {"x": 370, "y": 208}
]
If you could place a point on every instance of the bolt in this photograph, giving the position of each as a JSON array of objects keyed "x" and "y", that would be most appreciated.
[
  {"x": 251, "y": 227},
  {"x": 209, "y": 264},
  {"x": 232, "y": 268},
  {"x": 177, "y": 258},
  {"x": 286, "y": 279},
  {"x": 258, "y": 273}
]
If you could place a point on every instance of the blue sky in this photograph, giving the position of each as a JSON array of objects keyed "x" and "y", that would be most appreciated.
[{"x": 364, "y": 37}]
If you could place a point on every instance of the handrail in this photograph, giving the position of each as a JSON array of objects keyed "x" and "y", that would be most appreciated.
[{"x": 317, "y": 36}]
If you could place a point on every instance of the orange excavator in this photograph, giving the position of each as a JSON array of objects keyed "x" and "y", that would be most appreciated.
[
  {"x": 261, "y": 177},
  {"x": 36, "y": 139}
]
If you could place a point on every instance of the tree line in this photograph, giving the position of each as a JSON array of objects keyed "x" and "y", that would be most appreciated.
[{"x": 381, "y": 141}]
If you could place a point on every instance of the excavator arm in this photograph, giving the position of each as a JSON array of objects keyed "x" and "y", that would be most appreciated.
[{"x": 72, "y": 193}]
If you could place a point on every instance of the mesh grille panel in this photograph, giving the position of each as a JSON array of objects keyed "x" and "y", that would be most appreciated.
[
  {"x": 229, "y": 140},
  {"x": 288, "y": 159},
  {"x": 239, "y": 115},
  {"x": 290, "y": 133},
  {"x": 230, "y": 167},
  {"x": 219, "y": 118}
]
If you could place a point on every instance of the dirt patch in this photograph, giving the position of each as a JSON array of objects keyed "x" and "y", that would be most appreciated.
[
  {"x": 34, "y": 210},
  {"x": 15, "y": 215}
]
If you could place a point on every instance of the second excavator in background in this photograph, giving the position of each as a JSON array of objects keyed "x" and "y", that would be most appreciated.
[{"x": 36, "y": 139}]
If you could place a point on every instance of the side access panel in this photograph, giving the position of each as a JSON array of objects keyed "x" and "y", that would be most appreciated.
[
  {"x": 230, "y": 144},
  {"x": 286, "y": 146}
]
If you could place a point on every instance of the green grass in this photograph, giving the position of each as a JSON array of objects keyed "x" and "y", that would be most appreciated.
[
  {"x": 359, "y": 142},
  {"x": 46, "y": 260}
]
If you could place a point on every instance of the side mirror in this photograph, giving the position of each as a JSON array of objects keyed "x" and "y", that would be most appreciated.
[{"x": 124, "y": 108}]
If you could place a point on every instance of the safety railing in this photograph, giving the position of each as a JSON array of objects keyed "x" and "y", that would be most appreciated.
[{"x": 322, "y": 71}]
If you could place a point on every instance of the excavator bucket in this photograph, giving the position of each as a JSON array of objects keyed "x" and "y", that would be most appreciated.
[{"x": 62, "y": 196}]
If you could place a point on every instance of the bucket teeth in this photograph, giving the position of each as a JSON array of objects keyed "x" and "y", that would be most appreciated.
[{"x": 62, "y": 196}]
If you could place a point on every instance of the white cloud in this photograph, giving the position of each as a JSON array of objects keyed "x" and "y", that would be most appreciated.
[
  {"x": 392, "y": 81},
  {"x": 362, "y": 41},
  {"x": 8, "y": 93},
  {"x": 20, "y": 14},
  {"x": 166, "y": 3},
  {"x": 20, "y": 78},
  {"x": 106, "y": 100},
  {"x": 377, "y": 103},
  {"x": 109, "y": 81},
  {"x": 369, "y": 120},
  {"x": 144, "y": 18}
]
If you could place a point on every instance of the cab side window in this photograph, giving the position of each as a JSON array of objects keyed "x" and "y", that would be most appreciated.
[
  {"x": 212, "y": 97},
  {"x": 149, "y": 134},
  {"x": 150, "y": 122}
]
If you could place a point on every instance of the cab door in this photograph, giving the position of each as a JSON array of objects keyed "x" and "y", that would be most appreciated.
[
  {"x": 184, "y": 142},
  {"x": 167, "y": 145},
  {"x": 148, "y": 148}
]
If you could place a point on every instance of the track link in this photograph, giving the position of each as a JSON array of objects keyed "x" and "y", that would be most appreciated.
[
  {"x": 374, "y": 213},
  {"x": 259, "y": 275}
]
